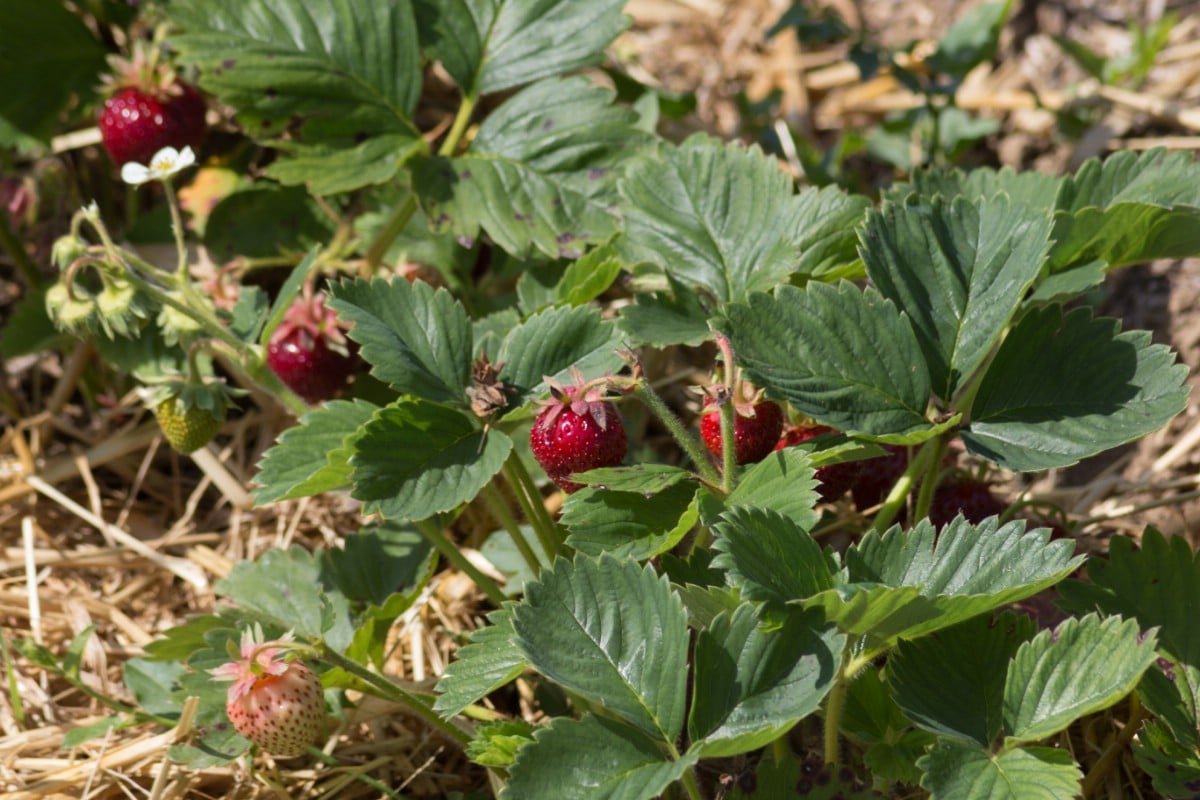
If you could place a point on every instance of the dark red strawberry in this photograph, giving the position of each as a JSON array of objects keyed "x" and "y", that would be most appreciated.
[
  {"x": 310, "y": 352},
  {"x": 577, "y": 430},
  {"x": 756, "y": 430},
  {"x": 877, "y": 476},
  {"x": 967, "y": 496},
  {"x": 136, "y": 124},
  {"x": 833, "y": 480}
]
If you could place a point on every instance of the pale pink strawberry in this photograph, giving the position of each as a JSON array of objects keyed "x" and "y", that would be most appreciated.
[{"x": 273, "y": 702}]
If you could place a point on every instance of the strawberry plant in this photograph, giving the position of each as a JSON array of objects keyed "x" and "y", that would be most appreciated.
[{"x": 659, "y": 575}]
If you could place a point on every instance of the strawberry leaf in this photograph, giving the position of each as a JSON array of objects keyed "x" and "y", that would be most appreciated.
[
  {"x": 341, "y": 79},
  {"x": 491, "y": 45},
  {"x": 549, "y": 343},
  {"x": 1081, "y": 667},
  {"x": 958, "y": 270},
  {"x": 402, "y": 481},
  {"x": 952, "y": 684},
  {"x": 312, "y": 457},
  {"x": 540, "y": 173},
  {"x": 752, "y": 685},
  {"x": 1065, "y": 387},
  {"x": 592, "y": 757},
  {"x": 1129, "y": 208},
  {"x": 1156, "y": 585},
  {"x": 48, "y": 58},
  {"x": 725, "y": 218},
  {"x": 966, "y": 772},
  {"x": 488, "y": 661},
  {"x": 846, "y": 357},
  {"x": 783, "y": 482},
  {"x": 907, "y": 584},
  {"x": 418, "y": 340},
  {"x": 671, "y": 316},
  {"x": 629, "y": 524},
  {"x": 614, "y": 633}
]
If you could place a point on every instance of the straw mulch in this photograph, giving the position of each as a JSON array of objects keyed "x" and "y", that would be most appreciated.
[{"x": 104, "y": 527}]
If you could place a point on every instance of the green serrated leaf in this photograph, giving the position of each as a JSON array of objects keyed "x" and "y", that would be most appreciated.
[
  {"x": 378, "y": 561},
  {"x": 952, "y": 683},
  {"x": 783, "y": 482},
  {"x": 496, "y": 744},
  {"x": 549, "y": 343},
  {"x": 1156, "y": 585},
  {"x": 971, "y": 40},
  {"x": 1174, "y": 769},
  {"x": 1128, "y": 208},
  {"x": 955, "y": 771},
  {"x": 647, "y": 479},
  {"x": 1035, "y": 190},
  {"x": 491, "y": 45},
  {"x": 907, "y": 584},
  {"x": 752, "y": 686},
  {"x": 613, "y": 632},
  {"x": 488, "y": 661},
  {"x": 665, "y": 318},
  {"x": 769, "y": 557},
  {"x": 265, "y": 220},
  {"x": 593, "y": 758},
  {"x": 958, "y": 270},
  {"x": 180, "y": 642},
  {"x": 83, "y": 734},
  {"x": 720, "y": 217},
  {"x": 1064, "y": 387},
  {"x": 284, "y": 586},
  {"x": 313, "y": 456},
  {"x": 589, "y": 277},
  {"x": 155, "y": 684},
  {"x": 340, "y": 78},
  {"x": 1082, "y": 666},
  {"x": 416, "y": 459},
  {"x": 843, "y": 356},
  {"x": 629, "y": 524},
  {"x": 418, "y": 340},
  {"x": 48, "y": 57}
]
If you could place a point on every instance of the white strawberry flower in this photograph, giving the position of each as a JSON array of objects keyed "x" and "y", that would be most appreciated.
[{"x": 164, "y": 164}]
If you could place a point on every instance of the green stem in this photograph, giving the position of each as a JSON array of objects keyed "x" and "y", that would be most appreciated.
[
  {"x": 499, "y": 509},
  {"x": 1112, "y": 754},
  {"x": 391, "y": 229},
  {"x": 930, "y": 481},
  {"x": 530, "y": 499},
  {"x": 685, "y": 438},
  {"x": 390, "y": 691},
  {"x": 728, "y": 446},
  {"x": 181, "y": 269},
  {"x": 16, "y": 251},
  {"x": 899, "y": 493},
  {"x": 835, "y": 706},
  {"x": 459, "y": 126},
  {"x": 689, "y": 784},
  {"x": 448, "y": 549}
]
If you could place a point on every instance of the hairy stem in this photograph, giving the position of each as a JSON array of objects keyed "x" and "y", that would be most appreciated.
[
  {"x": 391, "y": 229},
  {"x": 459, "y": 127},
  {"x": 447, "y": 548},
  {"x": 685, "y": 438},
  {"x": 900, "y": 491},
  {"x": 388, "y": 689},
  {"x": 499, "y": 509},
  {"x": 530, "y": 500}
]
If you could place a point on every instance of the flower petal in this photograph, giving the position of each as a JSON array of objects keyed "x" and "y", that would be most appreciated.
[{"x": 135, "y": 174}]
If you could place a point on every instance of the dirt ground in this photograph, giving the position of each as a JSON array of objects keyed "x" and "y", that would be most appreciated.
[{"x": 101, "y": 525}]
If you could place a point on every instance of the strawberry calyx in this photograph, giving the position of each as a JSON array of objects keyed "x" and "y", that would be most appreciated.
[
  {"x": 583, "y": 397},
  {"x": 308, "y": 320},
  {"x": 254, "y": 660},
  {"x": 142, "y": 70}
]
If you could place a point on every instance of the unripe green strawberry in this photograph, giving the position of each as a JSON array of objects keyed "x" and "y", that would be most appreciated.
[
  {"x": 187, "y": 429},
  {"x": 273, "y": 702},
  {"x": 190, "y": 412}
]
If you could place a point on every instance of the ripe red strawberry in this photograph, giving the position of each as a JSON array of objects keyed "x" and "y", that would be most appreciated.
[
  {"x": 274, "y": 703},
  {"x": 756, "y": 430},
  {"x": 577, "y": 430},
  {"x": 136, "y": 123},
  {"x": 309, "y": 352},
  {"x": 972, "y": 498},
  {"x": 833, "y": 480},
  {"x": 148, "y": 108}
]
